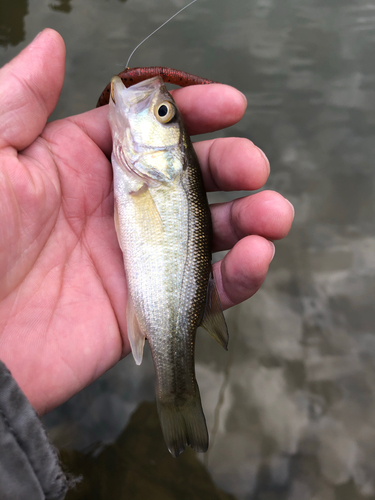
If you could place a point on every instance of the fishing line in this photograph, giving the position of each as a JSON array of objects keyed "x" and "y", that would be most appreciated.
[{"x": 147, "y": 37}]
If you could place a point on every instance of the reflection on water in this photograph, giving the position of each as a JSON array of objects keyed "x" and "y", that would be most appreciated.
[
  {"x": 138, "y": 466},
  {"x": 296, "y": 419},
  {"x": 12, "y": 26},
  {"x": 62, "y": 6}
]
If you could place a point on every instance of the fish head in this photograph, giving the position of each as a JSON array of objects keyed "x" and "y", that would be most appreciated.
[{"x": 147, "y": 129}]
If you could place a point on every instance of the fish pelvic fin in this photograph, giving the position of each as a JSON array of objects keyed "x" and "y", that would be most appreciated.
[
  {"x": 213, "y": 320},
  {"x": 183, "y": 424},
  {"x": 135, "y": 334}
]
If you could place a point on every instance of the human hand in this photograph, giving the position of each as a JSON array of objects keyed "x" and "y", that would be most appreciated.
[{"x": 62, "y": 281}]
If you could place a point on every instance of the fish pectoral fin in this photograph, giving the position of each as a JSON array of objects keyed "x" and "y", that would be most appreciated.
[
  {"x": 135, "y": 334},
  {"x": 213, "y": 318},
  {"x": 148, "y": 212}
]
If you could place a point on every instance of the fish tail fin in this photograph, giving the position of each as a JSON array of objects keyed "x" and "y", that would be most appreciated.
[{"x": 183, "y": 424}]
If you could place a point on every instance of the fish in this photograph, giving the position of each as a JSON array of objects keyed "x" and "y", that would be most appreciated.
[{"x": 163, "y": 225}]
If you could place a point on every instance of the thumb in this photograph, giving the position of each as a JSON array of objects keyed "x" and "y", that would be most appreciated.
[{"x": 30, "y": 87}]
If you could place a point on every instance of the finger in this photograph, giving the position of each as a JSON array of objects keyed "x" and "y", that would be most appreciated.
[
  {"x": 30, "y": 86},
  {"x": 266, "y": 214},
  {"x": 95, "y": 124},
  {"x": 242, "y": 271},
  {"x": 232, "y": 164},
  {"x": 207, "y": 108}
]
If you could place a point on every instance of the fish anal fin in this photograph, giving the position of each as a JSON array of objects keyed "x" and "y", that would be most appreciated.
[
  {"x": 213, "y": 320},
  {"x": 135, "y": 334}
]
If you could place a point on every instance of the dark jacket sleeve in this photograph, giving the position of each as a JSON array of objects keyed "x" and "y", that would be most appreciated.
[{"x": 29, "y": 465}]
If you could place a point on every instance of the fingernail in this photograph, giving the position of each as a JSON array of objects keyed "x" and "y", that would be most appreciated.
[
  {"x": 244, "y": 97},
  {"x": 38, "y": 35},
  {"x": 292, "y": 207},
  {"x": 265, "y": 158},
  {"x": 273, "y": 250}
]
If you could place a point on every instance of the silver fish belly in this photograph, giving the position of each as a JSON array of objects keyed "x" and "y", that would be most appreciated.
[{"x": 163, "y": 226}]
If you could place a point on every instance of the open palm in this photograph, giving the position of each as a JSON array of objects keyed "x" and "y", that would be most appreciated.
[{"x": 62, "y": 281}]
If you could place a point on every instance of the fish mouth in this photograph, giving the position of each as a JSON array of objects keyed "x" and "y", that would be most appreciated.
[{"x": 135, "y": 94}]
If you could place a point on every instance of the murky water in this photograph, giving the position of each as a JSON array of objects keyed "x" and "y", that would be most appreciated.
[{"x": 296, "y": 412}]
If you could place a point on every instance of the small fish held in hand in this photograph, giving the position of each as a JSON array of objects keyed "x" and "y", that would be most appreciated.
[{"x": 163, "y": 225}]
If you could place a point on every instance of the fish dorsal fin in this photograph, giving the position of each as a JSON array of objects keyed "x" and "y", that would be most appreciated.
[
  {"x": 135, "y": 334},
  {"x": 213, "y": 319}
]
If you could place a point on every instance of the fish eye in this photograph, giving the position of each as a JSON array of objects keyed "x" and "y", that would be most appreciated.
[{"x": 164, "y": 112}]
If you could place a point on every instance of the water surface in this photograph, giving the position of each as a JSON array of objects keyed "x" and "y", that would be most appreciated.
[{"x": 291, "y": 408}]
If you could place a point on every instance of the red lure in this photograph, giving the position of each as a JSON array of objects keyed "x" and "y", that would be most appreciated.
[{"x": 131, "y": 76}]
